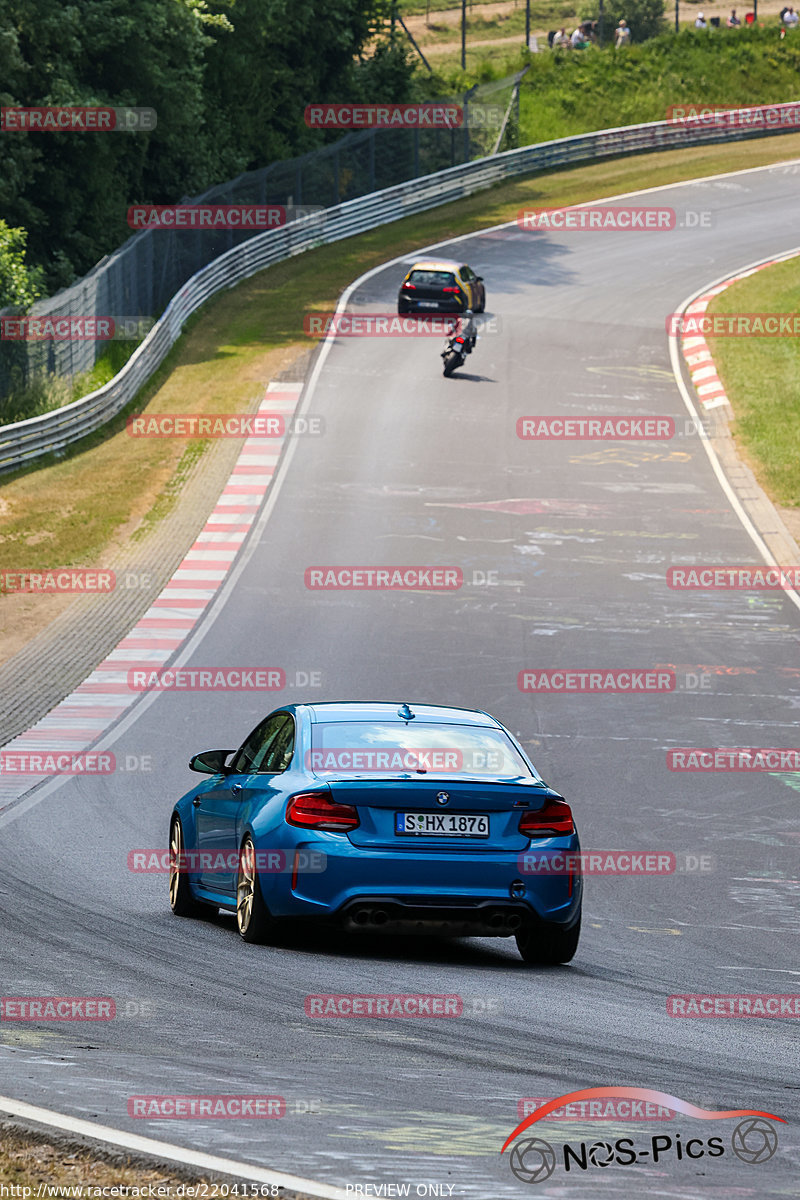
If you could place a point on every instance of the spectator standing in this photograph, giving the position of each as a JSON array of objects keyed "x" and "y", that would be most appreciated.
[
  {"x": 733, "y": 21},
  {"x": 700, "y": 23},
  {"x": 561, "y": 40},
  {"x": 622, "y": 35},
  {"x": 790, "y": 17}
]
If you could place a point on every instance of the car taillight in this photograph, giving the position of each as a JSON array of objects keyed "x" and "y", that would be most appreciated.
[
  {"x": 449, "y": 289},
  {"x": 412, "y": 287},
  {"x": 554, "y": 817},
  {"x": 315, "y": 810}
]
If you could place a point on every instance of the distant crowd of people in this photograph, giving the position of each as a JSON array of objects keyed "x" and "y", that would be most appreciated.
[
  {"x": 585, "y": 35},
  {"x": 787, "y": 17}
]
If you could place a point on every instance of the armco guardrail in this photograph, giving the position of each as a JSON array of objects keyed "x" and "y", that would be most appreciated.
[{"x": 25, "y": 441}]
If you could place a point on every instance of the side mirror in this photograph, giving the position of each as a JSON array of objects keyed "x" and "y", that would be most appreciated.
[
  {"x": 210, "y": 762},
  {"x": 479, "y": 278}
]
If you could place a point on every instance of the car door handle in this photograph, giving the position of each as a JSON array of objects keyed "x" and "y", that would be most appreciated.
[{"x": 236, "y": 788}]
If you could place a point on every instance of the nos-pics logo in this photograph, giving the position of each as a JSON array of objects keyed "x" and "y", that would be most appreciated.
[{"x": 753, "y": 1140}]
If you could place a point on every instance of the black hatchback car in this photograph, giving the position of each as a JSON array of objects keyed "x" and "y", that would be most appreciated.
[{"x": 441, "y": 285}]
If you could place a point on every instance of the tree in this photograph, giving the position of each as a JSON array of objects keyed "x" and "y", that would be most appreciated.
[
  {"x": 281, "y": 56},
  {"x": 20, "y": 285},
  {"x": 229, "y": 80},
  {"x": 72, "y": 190}
]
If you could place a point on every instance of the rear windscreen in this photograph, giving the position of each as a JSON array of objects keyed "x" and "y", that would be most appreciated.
[
  {"x": 388, "y": 748},
  {"x": 432, "y": 278}
]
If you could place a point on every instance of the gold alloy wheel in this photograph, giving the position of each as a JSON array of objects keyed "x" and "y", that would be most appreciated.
[
  {"x": 175, "y": 855},
  {"x": 245, "y": 886}
]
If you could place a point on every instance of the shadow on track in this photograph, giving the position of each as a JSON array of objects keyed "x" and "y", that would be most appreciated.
[{"x": 326, "y": 942}]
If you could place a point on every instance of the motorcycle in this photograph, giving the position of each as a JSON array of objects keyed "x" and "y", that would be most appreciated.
[{"x": 457, "y": 347}]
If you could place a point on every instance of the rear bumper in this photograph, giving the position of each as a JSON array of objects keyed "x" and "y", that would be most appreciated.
[
  {"x": 455, "y": 305},
  {"x": 464, "y": 888}
]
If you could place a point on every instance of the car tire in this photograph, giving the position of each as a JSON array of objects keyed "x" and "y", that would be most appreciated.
[
  {"x": 479, "y": 308},
  {"x": 548, "y": 944},
  {"x": 253, "y": 919},
  {"x": 181, "y": 900}
]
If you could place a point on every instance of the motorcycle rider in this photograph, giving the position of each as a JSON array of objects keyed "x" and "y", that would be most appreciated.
[
  {"x": 460, "y": 342},
  {"x": 468, "y": 331}
]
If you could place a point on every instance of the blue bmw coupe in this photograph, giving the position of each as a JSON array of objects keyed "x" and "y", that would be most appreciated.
[{"x": 394, "y": 817}]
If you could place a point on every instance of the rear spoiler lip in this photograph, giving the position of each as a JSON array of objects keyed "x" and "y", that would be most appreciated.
[{"x": 537, "y": 785}]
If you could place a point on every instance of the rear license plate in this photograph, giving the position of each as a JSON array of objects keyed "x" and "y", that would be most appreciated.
[
  {"x": 459, "y": 825},
  {"x": 427, "y": 303}
]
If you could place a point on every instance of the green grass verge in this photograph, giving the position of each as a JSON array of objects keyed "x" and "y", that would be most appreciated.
[
  {"x": 45, "y": 393},
  {"x": 569, "y": 92},
  {"x": 760, "y": 375}
]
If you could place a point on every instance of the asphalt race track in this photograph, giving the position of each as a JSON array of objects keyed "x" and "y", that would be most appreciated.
[{"x": 564, "y": 547}]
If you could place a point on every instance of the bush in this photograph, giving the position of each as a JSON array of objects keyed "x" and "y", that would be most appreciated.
[
  {"x": 19, "y": 284},
  {"x": 645, "y": 18}
]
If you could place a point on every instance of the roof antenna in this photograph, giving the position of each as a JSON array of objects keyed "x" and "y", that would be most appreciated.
[{"x": 405, "y": 712}]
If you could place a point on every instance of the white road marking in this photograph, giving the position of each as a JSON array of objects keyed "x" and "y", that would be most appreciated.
[{"x": 177, "y": 1154}]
